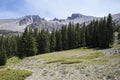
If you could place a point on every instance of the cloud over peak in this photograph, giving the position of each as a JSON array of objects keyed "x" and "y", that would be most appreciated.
[{"x": 57, "y": 8}]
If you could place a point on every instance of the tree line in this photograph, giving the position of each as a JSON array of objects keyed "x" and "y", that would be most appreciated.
[{"x": 96, "y": 34}]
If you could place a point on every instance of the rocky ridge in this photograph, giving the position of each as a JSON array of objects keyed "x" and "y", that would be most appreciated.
[{"x": 34, "y": 21}]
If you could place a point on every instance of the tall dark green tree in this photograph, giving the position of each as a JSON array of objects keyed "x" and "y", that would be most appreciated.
[
  {"x": 32, "y": 48},
  {"x": 58, "y": 40},
  {"x": 23, "y": 44},
  {"x": 64, "y": 37},
  {"x": 27, "y": 44},
  {"x": 71, "y": 36},
  {"x": 52, "y": 41},
  {"x": 3, "y": 56},
  {"x": 110, "y": 30},
  {"x": 77, "y": 35},
  {"x": 102, "y": 33},
  {"x": 119, "y": 36},
  {"x": 95, "y": 34},
  {"x": 44, "y": 42},
  {"x": 82, "y": 37}
]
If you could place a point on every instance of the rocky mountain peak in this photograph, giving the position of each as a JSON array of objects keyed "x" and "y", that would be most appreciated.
[
  {"x": 30, "y": 19},
  {"x": 116, "y": 15},
  {"x": 55, "y": 19},
  {"x": 19, "y": 24},
  {"x": 116, "y": 18},
  {"x": 59, "y": 20},
  {"x": 75, "y": 16}
]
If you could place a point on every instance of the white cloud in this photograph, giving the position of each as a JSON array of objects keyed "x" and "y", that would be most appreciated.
[{"x": 63, "y": 8}]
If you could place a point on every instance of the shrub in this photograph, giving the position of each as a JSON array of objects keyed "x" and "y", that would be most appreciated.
[{"x": 14, "y": 74}]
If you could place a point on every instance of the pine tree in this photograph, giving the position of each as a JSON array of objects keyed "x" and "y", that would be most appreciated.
[
  {"x": 110, "y": 30},
  {"x": 119, "y": 36},
  {"x": 71, "y": 36},
  {"x": 23, "y": 44},
  {"x": 18, "y": 40},
  {"x": 52, "y": 41},
  {"x": 36, "y": 31},
  {"x": 95, "y": 34},
  {"x": 15, "y": 46},
  {"x": 27, "y": 44},
  {"x": 103, "y": 34},
  {"x": 83, "y": 38},
  {"x": 3, "y": 56},
  {"x": 58, "y": 40},
  {"x": 11, "y": 46},
  {"x": 44, "y": 43},
  {"x": 64, "y": 37},
  {"x": 32, "y": 48},
  {"x": 77, "y": 35}
]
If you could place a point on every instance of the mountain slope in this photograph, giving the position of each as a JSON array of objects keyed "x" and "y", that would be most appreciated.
[
  {"x": 34, "y": 21},
  {"x": 116, "y": 18},
  {"x": 79, "y": 18}
]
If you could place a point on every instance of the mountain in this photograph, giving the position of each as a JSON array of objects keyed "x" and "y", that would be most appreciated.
[
  {"x": 79, "y": 18},
  {"x": 116, "y": 18},
  {"x": 18, "y": 24},
  {"x": 35, "y": 21}
]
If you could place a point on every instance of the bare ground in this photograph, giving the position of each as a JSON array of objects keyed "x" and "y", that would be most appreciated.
[{"x": 53, "y": 66}]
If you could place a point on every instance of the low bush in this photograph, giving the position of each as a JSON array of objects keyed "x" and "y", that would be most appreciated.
[{"x": 14, "y": 74}]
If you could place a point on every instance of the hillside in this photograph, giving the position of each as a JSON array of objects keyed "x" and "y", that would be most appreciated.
[{"x": 76, "y": 64}]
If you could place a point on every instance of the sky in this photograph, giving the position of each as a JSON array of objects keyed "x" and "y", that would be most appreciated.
[{"x": 61, "y": 9}]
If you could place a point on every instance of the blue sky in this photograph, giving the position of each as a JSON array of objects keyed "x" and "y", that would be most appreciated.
[{"x": 57, "y": 8}]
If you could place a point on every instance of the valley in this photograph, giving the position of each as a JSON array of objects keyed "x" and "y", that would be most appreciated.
[{"x": 59, "y": 40}]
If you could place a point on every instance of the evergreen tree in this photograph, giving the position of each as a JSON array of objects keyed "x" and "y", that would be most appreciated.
[
  {"x": 52, "y": 41},
  {"x": 3, "y": 57},
  {"x": 11, "y": 46},
  {"x": 44, "y": 43},
  {"x": 82, "y": 37},
  {"x": 23, "y": 44},
  {"x": 71, "y": 36},
  {"x": 110, "y": 30},
  {"x": 36, "y": 31},
  {"x": 64, "y": 37},
  {"x": 58, "y": 40},
  {"x": 119, "y": 36},
  {"x": 32, "y": 48},
  {"x": 77, "y": 35},
  {"x": 95, "y": 34},
  {"x": 102, "y": 34}
]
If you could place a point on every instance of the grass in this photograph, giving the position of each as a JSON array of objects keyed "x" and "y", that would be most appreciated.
[
  {"x": 87, "y": 58},
  {"x": 116, "y": 45},
  {"x": 86, "y": 55},
  {"x": 65, "y": 61},
  {"x": 71, "y": 61},
  {"x": 11, "y": 61},
  {"x": 100, "y": 61},
  {"x": 61, "y": 54},
  {"x": 92, "y": 56},
  {"x": 48, "y": 56},
  {"x": 116, "y": 56},
  {"x": 14, "y": 74},
  {"x": 54, "y": 61}
]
